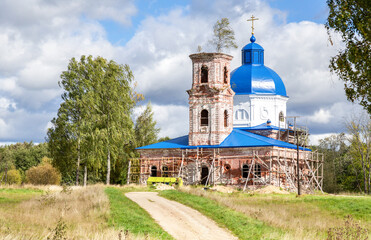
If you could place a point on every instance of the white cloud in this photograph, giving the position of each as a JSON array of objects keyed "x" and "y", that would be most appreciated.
[
  {"x": 321, "y": 116},
  {"x": 173, "y": 120}
]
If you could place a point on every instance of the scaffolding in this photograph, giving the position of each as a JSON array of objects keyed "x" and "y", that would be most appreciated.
[{"x": 209, "y": 166}]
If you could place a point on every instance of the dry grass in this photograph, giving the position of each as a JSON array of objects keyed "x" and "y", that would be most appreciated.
[
  {"x": 73, "y": 213},
  {"x": 299, "y": 219}
]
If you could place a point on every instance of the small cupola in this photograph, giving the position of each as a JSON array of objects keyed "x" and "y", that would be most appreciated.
[{"x": 252, "y": 53}]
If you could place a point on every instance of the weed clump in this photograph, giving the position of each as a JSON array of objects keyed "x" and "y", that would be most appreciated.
[
  {"x": 350, "y": 230},
  {"x": 60, "y": 231}
]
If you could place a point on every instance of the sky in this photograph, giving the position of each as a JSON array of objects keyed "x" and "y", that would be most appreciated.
[{"x": 155, "y": 38}]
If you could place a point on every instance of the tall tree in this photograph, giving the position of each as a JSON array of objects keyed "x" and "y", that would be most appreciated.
[
  {"x": 352, "y": 19},
  {"x": 76, "y": 82},
  {"x": 223, "y": 35},
  {"x": 145, "y": 128},
  {"x": 113, "y": 99},
  {"x": 360, "y": 148},
  {"x": 94, "y": 121}
]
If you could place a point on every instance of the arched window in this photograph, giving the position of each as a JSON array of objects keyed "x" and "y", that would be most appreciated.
[
  {"x": 225, "y": 118},
  {"x": 241, "y": 114},
  {"x": 204, "y": 74},
  {"x": 225, "y": 74},
  {"x": 281, "y": 117},
  {"x": 245, "y": 171},
  {"x": 165, "y": 171},
  {"x": 204, "y": 118},
  {"x": 258, "y": 171},
  {"x": 153, "y": 171}
]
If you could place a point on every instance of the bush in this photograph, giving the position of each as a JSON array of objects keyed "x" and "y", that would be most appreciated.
[
  {"x": 14, "y": 177},
  {"x": 43, "y": 174}
]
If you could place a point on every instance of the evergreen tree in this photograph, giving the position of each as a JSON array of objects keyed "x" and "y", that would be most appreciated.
[
  {"x": 223, "y": 35},
  {"x": 145, "y": 128},
  {"x": 352, "y": 19}
]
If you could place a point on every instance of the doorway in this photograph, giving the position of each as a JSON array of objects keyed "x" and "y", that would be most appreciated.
[{"x": 204, "y": 175}]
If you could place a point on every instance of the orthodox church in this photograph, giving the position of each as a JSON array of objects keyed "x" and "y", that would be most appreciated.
[{"x": 238, "y": 133}]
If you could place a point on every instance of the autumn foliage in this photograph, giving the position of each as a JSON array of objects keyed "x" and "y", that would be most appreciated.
[{"x": 43, "y": 174}]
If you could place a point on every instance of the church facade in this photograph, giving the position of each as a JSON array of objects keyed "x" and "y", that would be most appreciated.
[{"x": 237, "y": 130}]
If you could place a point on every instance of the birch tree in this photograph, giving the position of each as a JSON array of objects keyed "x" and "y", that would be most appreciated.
[
  {"x": 112, "y": 99},
  {"x": 360, "y": 140},
  {"x": 223, "y": 35}
]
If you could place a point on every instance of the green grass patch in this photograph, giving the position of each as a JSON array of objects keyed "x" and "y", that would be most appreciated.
[
  {"x": 17, "y": 195},
  {"x": 126, "y": 214},
  {"x": 238, "y": 223},
  {"x": 358, "y": 207}
]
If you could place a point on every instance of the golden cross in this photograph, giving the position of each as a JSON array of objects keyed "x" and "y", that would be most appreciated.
[{"x": 252, "y": 21}]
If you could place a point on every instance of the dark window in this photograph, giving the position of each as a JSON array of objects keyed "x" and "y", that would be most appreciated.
[
  {"x": 258, "y": 171},
  {"x": 225, "y": 75},
  {"x": 225, "y": 118},
  {"x": 282, "y": 119},
  {"x": 153, "y": 171},
  {"x": 204, "y": 118},
  {"x": 165, "y": 171},
  {"x": 204, "y": 74},
  {"x": 245, "y": 171},
  {"x": 227, "y": 167}
]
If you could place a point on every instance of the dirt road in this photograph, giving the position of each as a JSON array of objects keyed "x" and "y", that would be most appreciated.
[{"x": 178, "y": 220}]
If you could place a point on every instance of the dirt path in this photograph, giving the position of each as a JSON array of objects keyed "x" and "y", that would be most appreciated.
[{"x": 180, "y": 221}]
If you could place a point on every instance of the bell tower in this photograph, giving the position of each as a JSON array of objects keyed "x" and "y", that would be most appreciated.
[{"x": 210, "y": 99}]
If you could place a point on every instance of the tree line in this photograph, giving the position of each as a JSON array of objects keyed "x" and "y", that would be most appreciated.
[{"x": 347, "y": 158}]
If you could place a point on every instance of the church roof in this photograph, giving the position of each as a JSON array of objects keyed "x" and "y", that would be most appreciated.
[
  {"x": 263, "y": 126},
  {"x": 236, "y": 139},
  {"x": 252, "y": 77}
]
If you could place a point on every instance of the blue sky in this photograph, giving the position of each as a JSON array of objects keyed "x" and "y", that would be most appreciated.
[
  {"x": 155, "y": 38},
  {"x": 299, "y": 10}
]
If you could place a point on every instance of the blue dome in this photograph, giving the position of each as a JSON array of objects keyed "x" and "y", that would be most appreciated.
[{"x": 253, "y": 77}]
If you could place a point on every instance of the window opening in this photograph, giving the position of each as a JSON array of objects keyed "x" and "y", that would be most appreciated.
[
  {"x": 282, "y": 119},
  {"x": 204, "y": 118},
  {"x": 258, "y": 171},
  {"x": 165, "y": 171},
  {"x": 225, "y": 74},
  {"x": 204, "y": 74},
  {"x": 227, "y": 167},
  {"x": 245, "y": 171},
  {"x": 225, "y": 118},
  {"x": 153, "y": 171}
]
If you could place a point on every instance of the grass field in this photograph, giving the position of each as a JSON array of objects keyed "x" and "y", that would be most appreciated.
[
  {"x": 98, "y": 212},
  {"x": 54, "y": 212},
  {"x": 305, "y": 217}
]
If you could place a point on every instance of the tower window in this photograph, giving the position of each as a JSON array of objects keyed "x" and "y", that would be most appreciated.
[
  {"x": 225, "y": 118},
  {"x": 204, "y": 118},
  {"x": 258, "y": 171},
  {"x": 281, "y": 117},
  {"x": 204, "y": 74},
  {"x": 225, "y": 74},
  {"x": 245, "y": 171}
]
